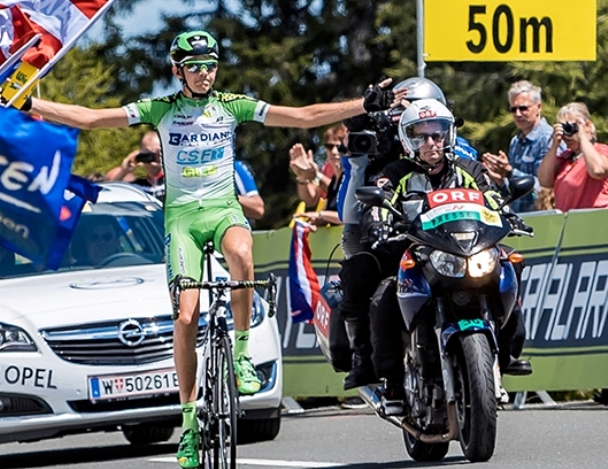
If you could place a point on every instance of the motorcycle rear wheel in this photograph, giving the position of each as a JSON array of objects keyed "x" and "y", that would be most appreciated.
[
  {"x": 476, "y": 407},
  {"x": 424, "y": 452}
]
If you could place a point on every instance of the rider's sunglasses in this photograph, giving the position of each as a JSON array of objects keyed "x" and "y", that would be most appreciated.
[
  {"x": 198, "y": 66},
  {"x": 101, "y": 237},
  {"x": 514, "y": 109},
  {"x": 435, "y": 136}
]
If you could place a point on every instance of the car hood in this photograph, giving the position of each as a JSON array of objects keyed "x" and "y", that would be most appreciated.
[{"x": 75, "y": 297}]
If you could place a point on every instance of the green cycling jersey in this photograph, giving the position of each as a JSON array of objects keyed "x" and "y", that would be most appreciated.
[{"x": 197, "y": 138}]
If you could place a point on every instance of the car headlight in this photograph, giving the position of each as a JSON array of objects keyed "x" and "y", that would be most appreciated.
[
  {"x": 448, "y": 264},
  {"x": 15, "y": 339},
  {"x": 257, "y": 310},
  {"x": 482, "y": 263}
]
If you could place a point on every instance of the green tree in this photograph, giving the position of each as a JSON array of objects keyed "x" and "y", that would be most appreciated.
[
  {"x": 81, "y": 78},
  {"x": 299, "y": 52}
]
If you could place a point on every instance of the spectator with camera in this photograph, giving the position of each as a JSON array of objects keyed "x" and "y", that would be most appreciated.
[
  {"x": 316, "y": 189},
  {"x": 579, "y": 174},
  {"x": 148, "y": 155},
  {"x": 527, "y": 147}
]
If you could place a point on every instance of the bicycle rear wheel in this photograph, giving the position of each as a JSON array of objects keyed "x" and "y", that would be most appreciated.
[{"x": 226, "y": 401}]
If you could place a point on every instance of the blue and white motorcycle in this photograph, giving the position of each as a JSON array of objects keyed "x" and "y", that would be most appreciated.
[{"x": 456, "y": 286}]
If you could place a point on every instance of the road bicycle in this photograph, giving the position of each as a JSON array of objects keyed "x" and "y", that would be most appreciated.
[{"x": 220, "y": 401}]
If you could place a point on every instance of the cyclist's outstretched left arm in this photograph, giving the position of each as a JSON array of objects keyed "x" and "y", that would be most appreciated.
[{"x": 79, "y": 116}]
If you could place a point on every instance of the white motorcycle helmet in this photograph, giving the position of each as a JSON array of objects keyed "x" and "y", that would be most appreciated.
[{"x": 423, "y": 111}]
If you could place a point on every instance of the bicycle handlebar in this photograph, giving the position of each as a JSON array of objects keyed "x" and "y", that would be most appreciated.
[{"x": 270, "y": 284}]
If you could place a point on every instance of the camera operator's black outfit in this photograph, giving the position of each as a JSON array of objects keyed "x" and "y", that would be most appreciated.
[
  {"x": 386, "y": 323},
  {"x": 362, "y": 271}
]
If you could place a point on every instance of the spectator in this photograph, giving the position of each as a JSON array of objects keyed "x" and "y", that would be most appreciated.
[
  {"x": 578, "y": 175},
  {"x": 149, "y": 156},
  {"x": 247, "y": 192},
  {"x": 314, "y": 185},
  {"x": 527, "y": 147}
]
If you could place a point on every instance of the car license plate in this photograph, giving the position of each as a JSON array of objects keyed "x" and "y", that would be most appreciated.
[{"x": 132, "y": 384}]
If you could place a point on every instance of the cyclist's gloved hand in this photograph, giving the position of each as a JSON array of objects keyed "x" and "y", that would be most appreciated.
[{"x": 376, "y": 98}]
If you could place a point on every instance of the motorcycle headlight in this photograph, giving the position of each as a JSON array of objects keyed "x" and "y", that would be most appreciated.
[
  {"x": 15, "y": 339},
  {"x": 482, "y": 263},
  {"x": 448, "y": 264}
]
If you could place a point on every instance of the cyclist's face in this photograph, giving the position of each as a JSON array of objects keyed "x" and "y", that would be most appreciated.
[{"x": 200, "y": 78}]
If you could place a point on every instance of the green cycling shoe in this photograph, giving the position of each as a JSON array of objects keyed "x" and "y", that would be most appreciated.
[
  {"x": 188, "y": 449},
  {"x": 247, "y": 380}
]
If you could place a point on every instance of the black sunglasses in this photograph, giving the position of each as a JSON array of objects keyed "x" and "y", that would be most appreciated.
[
  {"x": 514, "y": 109},
  {"x": 194, "y": 67},
  {"x": 435, "y": 136},
  {"x": 331, "y": 146}
]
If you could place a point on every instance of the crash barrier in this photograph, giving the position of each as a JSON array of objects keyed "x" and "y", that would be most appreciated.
[{"x": 565, "y": 303}]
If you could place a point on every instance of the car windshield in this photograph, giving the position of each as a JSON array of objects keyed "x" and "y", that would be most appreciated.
[{"x": 108, "y": 235}]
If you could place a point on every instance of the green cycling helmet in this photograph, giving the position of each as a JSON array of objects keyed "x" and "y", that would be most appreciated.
[{"x": 191, "y": 44}]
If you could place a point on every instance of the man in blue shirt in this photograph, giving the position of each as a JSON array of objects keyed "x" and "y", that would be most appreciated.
[{"x": 527, "y": 147}]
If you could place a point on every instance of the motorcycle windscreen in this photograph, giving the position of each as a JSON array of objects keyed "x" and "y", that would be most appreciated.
[{"x": 462, "y": 229}]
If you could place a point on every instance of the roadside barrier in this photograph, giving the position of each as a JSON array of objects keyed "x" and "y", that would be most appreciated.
[{"x": 565, "y": 303}]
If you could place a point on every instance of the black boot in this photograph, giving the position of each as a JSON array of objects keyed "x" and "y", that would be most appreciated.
[
  {"x": 518, "y": 367},
  {"x": 362, "y": 370}
]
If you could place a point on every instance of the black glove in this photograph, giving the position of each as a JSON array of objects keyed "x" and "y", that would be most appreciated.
[
  {"x": 518, "y": 224},
  {"x": 376, "y": 98},
  {"x": 378, "y": 231}
]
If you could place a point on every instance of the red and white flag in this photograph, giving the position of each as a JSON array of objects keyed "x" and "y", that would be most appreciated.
[{"x": 61, "y": 23}]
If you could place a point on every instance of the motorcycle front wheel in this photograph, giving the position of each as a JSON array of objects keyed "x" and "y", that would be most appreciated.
[{"x": 476, "y": 407}]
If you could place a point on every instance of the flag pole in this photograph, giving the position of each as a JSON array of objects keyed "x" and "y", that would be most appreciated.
[
  {"x": 64, "y": 49},
  {"x": 13, "y": 59}
]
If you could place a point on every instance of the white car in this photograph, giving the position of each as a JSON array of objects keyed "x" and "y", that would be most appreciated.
[{"x": 89, "y": 347}]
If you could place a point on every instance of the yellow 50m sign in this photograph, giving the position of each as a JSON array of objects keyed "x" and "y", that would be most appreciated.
[{"x": 494, "y": 30}]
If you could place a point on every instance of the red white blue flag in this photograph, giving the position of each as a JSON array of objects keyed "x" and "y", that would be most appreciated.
[
  {"x": 304, "y": 289},
  {"x": 60, "y": 23}
]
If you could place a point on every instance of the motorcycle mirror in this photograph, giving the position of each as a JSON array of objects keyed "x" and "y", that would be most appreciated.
[
  {"x": 518, "y": 188},
  {"x": 375, "y": 197}
]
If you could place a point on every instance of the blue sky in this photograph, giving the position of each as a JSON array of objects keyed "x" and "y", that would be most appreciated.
[{"x": 145, "y": 16}]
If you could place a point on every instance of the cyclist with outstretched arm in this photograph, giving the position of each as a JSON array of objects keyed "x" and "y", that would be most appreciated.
[{"x": 196, "y": 127}]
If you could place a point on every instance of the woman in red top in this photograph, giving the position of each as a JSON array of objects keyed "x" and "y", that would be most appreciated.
[{"x": 579, "y": 175}]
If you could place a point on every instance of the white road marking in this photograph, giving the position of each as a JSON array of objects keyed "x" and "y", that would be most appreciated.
[{"x": 267, "y": 462}]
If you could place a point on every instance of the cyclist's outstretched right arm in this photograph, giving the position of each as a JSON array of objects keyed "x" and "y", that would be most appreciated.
[{"x": 79, "y": 116}]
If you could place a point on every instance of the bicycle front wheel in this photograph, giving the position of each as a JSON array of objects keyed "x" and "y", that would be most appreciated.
[{"x": 226, "y": 402}]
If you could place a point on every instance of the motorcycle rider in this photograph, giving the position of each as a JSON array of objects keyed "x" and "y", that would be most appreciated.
[
  {"x": 427, "y": 132},
  {"x": 362, "y": 271}
]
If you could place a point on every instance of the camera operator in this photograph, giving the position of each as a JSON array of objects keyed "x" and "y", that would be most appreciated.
[
  {"x": 147, "y": 155},
  {"x": 372, "y": 143},
  {"x": 579, "y": 175}
]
